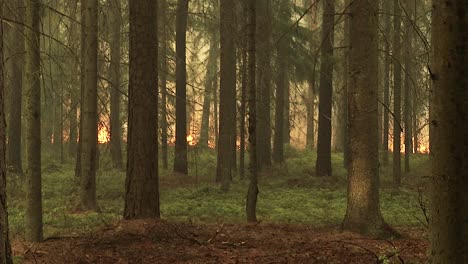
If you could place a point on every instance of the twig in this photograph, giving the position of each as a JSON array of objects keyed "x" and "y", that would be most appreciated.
[{"x": 216, "y": 234}]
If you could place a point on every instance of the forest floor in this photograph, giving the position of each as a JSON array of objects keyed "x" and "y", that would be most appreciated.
[
  {"x": 151, "y": 241},
  {"x": 299, "y": 218}
]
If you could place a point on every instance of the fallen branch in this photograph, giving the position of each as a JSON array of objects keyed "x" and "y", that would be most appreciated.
[{"x": 216, "y": 234}]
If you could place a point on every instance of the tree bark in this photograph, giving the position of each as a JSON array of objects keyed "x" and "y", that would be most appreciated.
[
  {"x": 397, "y": 95},
  {"x": 211, "y": 75},
  {"x": 115, "y": 143},
  {"x": 227, "y": 96},
  {"x": 180, "y": 157},
  {"x": 387, "y": 63},
  {"x": 282, "y": 82},
  {"x": 5, "y": 248},
  {"x": 323, "y": 163},
  {"x": 408, "y": 85},
  {"x": 89, "y": 119},
  {"x": 32, "y": 94},
  {"x": 142, "y": 182},
  {"x": 252, "y": 194},
  {"x": 363, "y": 210},
  {"x": 163, "y": 80},
  {"x": 448, "y": 124},
  {"x": 264, "y": 39},
  {"x": 14, "y": 127}
]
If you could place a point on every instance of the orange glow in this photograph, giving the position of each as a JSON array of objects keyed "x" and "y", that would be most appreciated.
[
  {"x": 191, "y": 140},
  {"x": 103, "y": 135},
  {"x": 423, "y": 149}
]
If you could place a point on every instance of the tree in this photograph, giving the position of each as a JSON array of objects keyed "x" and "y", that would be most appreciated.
[
  {"x": 210, "y": 80},
  {"x": 323, "y": 164},
  {"x": 227, "y": 96},
  {"x": 180, "y": 157},
  {"x": 115, "y": 22},
  {"x": 142, "y": 181},
  {"x": 163, "y": 78},
  {"x": 407, "y": 113},
  {"x": 281, "y": 87},
  {"x": 88, "y": 135},
  {"x": 32, "y": 95},
  {"x": 311, "y": 19},
  {"x": 14, "y": 127},
  {"x": 363, "y": 209},
  {"x": 449, "y": 123},
  {"x": 5, "y": 249},
  {"x": 386, "y": 72},
  {"x": 251, "y": 203},
  {"x": 397, "y": 94},
  {"x": 264, "y": 39}
]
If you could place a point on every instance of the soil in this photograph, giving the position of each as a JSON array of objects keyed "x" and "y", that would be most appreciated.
[{"x": 159, "y": 241}]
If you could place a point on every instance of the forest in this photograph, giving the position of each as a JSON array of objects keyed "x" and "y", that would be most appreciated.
[{"x": 222, "y": 131}]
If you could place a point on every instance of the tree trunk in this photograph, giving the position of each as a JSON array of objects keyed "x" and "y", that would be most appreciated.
[
  {"x": 14, "y": 127},
  {"x": 408, "y": 85},
  {"x": 180, "y": 157},
  {"x": 448, "y": 124},
  {"x": 227, "y": 96},
  {"x": 252, "y": 194},
  {"x": 282, "y": 82},
  {"x": 5, "y": 249},
  {"x": 243, "y": 107},
  {"x": 163, "y": 79},
  {"x": 344, "y": 102},
  {"x": 387, "y": 62},
  {"x": 397, "y": 95},
  {"x": 363, "y": 211},
  {"x": 310, "y": 134},
  {"x": 323, "y": 163},
  {"x": 88, "y": 137},
  {"x": 32, "y": 94},
  {"x": 211, "y": 75},
  {"x": 264, "y": 39},
  {"x": 115, "y": 125},
  {"x": 142, "y": 182}
]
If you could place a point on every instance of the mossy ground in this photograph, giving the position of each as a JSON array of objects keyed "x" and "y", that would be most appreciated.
[{"x": 289, "y": 194}]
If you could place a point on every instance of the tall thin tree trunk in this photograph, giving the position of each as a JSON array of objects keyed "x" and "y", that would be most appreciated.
[
  {"x": 311, "y": 23},
  {"x": 163, "y": 80},
  {"x": 386, "y": 79},
  {"x": 89, "y": 114},
  {"x": 282, "y": 82},
  {"x": 5, "y": 248},
  {"x": 32, "y": 94},
  {"x": 243, "y": 107},
  {"x": 397, "y": 94},
  {"x": 264, "y": 39},
  {"x": 408, "y": 85},
  {"x": 211, "y": 75},
  {"x": 344, "y": 102},
  {"x": 14, "y": 126},
  {"x": 227, "y": 96},
  {"x": 252, "y": 194},
  {"x": 180, "y": 157},
  {"x": 323, "y": 164},
  {"x": 115, "y": 125}
]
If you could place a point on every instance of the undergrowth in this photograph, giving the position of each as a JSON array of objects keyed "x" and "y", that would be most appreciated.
[{"x": 289, "y": 194}]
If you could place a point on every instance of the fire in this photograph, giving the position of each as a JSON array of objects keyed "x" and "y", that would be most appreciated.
[
  {"x": 191, "y": 140},
  {"x": 103, "y": 135},
  {"x": 423, "y": 149}
]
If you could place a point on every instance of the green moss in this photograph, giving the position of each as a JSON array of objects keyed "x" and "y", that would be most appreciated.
[{"x": 289, "y": 193}]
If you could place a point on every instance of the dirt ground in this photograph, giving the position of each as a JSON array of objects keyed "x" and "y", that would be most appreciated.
[{"x": 152, "y": 241}]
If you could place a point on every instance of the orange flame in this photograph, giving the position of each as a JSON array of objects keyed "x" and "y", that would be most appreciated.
[{"x": 103, "y": 135}]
